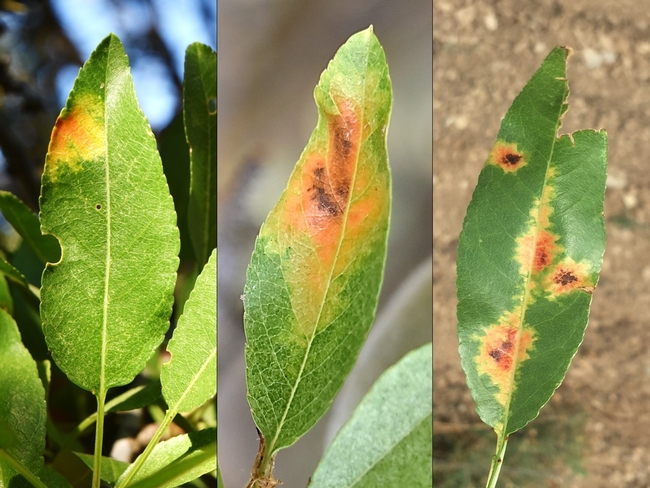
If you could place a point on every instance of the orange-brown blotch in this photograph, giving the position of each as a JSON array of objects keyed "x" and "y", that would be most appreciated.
[{"x": 507, "y": 156}]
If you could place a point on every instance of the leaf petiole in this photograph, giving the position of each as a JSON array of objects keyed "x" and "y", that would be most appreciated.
[
  {"x": 497, "y": 462},
  {"x": 99, "y": 437}
]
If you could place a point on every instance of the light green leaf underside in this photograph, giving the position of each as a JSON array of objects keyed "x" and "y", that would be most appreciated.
[
  {"x": 190, "y": 448},
  {"x": 200, "y": 117},
  {"x": 22, "y": 405},
  {"x": 189, "y": 379},
  {"x": 106, "y": 304},
  {"x": 315, "y": 274},
  {"x": 387, "y": 441}
]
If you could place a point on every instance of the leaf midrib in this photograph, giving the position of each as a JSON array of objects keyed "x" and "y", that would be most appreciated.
[
  {"x": 102, "y": 376},
  {"x": 524, "y": 308}
]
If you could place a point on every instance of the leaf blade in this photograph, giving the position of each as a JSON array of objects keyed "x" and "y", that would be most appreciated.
[
  {"x": 387, "y": 440},
  {"x": 526, "y": 232},
  {"x": 200, "y": 118},
  {"x": 105, "y": 198},
  {"x": 22, "y": 404},
  {"x": 27, "y": 225},
  {"x": 316, "y": 270},
  {"x": 189, "y": 378}
]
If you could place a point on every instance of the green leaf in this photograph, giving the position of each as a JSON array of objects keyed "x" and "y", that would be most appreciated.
[
  {"x": 312, "y": 285},
  {"x": 189, "y": 379},
  {"x": 8, "y": 437},
  {"x": 13, "y": 274},
  {"x": 175, "y": 155},
  {"x": 137, "y": 397},
  {"x": 22, "y": 405},
  {"x": 112, "y": 469},
  {"x": 530, "y": 253},
  {"x": 200, "y": 117},
  {"x": 26, "y": 224},
  {"x": 106, "y": 304},
  {"x": 182, "y": 447},
  {"x": 6, "y": 300},
  {"x": 387, "y": 441}
]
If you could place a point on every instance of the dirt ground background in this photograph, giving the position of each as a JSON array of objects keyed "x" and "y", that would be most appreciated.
[{"x": 599, "y": 419}]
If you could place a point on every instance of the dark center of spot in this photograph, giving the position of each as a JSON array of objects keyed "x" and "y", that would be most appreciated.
[
  {"x": 566, "y": 277},
  {"x": 495, "y": 354},
  {"x": 511, "y": 159}
]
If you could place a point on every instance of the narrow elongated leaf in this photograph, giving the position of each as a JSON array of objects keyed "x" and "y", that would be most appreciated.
[
  {"x": 182, "y": 470},
  {"x": 26, "y": 224},
  {"x": 13, "y": 274},
  {"x": 530, "y": 253},
  {"x": 387, "y": 441},
  {"x": 315, "y": 273},
  {"x": 106, "y": 303},
  {"x": 200, "y": 117},
  {"x": 22, "y": 405},
  {"x": 189, "y": 379},
  {"x": 177, "y": 448}
]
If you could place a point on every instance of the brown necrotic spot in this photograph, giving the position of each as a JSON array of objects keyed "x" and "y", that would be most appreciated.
[
  {"x": 331, "y": 176},
  {"x": 568, "y": 276},
  {"x": 507, "y": 156},
  {"x": 504, "y": 346},
  {"x": 564, "y": 277},
  {"x": 501, "y": 349}
]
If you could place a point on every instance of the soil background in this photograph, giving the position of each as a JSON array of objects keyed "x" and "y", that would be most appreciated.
[{"x": 484, "y": 53}]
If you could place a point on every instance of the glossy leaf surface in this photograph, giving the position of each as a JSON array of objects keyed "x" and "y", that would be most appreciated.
[
  {"x": 200, "y": 117},
  {"x": 22, "y": 405},
  {"x": 387, "y": 441},
  {"x": 189, "y": 379},
  {"x": 530, "y": 253},
  {"x": 315, "y": 273},
  {"x": 106, "y": 304}
]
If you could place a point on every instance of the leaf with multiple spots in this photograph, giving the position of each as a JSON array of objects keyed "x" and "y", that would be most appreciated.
[
  {"x": 316, "y": 270},
  {"x": 529, "y": 255}
]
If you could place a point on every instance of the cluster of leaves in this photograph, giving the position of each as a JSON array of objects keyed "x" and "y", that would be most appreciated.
[
  {"x": 529, "y": 256},
  {"x": 109, "y": 254}
]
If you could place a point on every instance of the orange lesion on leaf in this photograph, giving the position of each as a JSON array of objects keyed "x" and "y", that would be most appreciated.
[
  {"x": 507, "y": 156},
  {"x": 318, "y": 207},
  {"x": 537, "y": 248},
  {"x": 568, "y": 276},
  {"x": 77, "y": 137},
  {"x": 504, "y": 346}
]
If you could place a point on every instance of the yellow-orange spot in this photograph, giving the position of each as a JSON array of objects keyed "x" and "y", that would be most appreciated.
[
  {"x": 77, "y": 137},
  {"x": 536, "y": 251},
  {"x": 504, "y": 346},
  {"x": 506, "y": 156},
  {"x": 568, "y": 276},
  {"x": 318, "y": 206}
]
